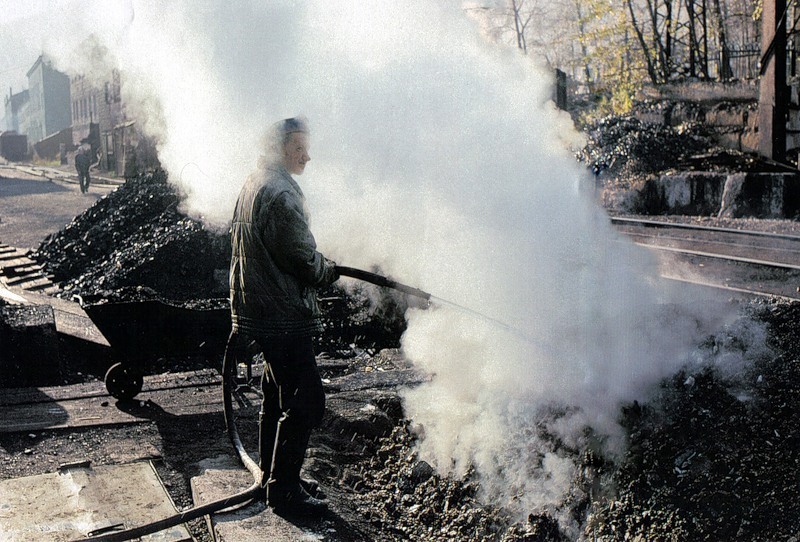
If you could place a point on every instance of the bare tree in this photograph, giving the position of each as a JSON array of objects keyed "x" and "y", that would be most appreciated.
[
  {"x": 521, "y": 21},
  {"x": 643, "y": 43},
  {"x": 648, "y": 41}
]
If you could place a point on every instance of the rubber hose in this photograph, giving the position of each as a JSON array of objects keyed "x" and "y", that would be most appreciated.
[
  {"x": 380, "y": 280},
  {"x": 228, "y": 372}
]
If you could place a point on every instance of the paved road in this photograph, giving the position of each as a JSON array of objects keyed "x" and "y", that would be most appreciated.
[{"x": 33, "y": 207}]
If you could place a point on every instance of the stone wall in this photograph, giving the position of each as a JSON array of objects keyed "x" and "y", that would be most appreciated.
[
  {"x": 730, "y": 110},
  {"x": 764, "y": 195}
]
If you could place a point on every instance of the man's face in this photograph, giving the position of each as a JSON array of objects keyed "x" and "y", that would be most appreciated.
[{"x": 295, "y": 153}]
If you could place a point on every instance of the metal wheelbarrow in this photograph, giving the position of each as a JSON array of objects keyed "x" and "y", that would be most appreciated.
[{"x": 141, "y": 330}]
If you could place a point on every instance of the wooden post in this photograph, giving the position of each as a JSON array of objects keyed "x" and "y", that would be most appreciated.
[{"x": 773, "y": 101}]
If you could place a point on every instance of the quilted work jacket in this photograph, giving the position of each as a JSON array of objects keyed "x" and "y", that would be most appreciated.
[{"x": 275, "y": 266}]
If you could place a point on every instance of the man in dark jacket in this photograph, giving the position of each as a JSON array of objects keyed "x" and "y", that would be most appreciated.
[
  {"x": 275, "y": 272},
  {"x": 82, "y": 164}
]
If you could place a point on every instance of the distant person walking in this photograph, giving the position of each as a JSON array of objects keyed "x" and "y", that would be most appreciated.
[{"x": 82, "y": 163}]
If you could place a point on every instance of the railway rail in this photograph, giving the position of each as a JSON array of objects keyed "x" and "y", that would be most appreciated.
[{"x": 743, "y": 261}]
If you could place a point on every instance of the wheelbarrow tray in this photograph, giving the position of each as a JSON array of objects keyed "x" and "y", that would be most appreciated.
[{"x": 153, "y": 328}]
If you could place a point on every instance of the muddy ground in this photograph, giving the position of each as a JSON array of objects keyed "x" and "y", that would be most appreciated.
[{"x": 713, "y": 456}]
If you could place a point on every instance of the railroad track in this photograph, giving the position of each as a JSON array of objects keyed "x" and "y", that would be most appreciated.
[{"x": 744, "y": 261}]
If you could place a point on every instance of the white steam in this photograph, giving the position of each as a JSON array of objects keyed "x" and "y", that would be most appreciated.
[{"x": 439, "y": 158}]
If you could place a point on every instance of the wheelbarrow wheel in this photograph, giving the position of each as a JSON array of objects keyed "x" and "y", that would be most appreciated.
[{"x": 122, "y": 382}]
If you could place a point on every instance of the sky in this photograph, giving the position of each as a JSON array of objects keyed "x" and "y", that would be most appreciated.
[
  {"x": 21, "y": 39},
  {"x": 437, "y": 158}
]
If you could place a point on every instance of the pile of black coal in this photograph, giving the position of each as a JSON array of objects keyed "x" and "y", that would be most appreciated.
[
  {"x": 711, "y": 459},
  {"x": 405, "y": 499},
  {"x": 135, "y": 244},
  {"x": 624, "y": 146},
  {"x": 713, "y": 456}
]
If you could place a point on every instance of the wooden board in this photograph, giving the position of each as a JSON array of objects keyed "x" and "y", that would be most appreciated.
[
  {"x": 69, "y": 504},
  {"x": 36, "y": 409},
  {"x": 223, "y": 476}
]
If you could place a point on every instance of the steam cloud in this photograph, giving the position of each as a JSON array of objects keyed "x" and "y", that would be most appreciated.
[{"x": 441, "y": 159}]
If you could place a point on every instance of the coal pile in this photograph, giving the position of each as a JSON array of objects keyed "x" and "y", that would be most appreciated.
[
  {"x": 135, "y": 244},
  {"x": 624, "y": 147},
  {"x": 713, "y": 459},
  {"x": 405, "y": 499},
  {"x": 713, "y": 456}
]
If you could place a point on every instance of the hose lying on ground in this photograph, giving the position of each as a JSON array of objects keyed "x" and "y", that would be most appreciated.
[
  {"x": 249, "y": 494},
  {"x": 228, "y": 377}
]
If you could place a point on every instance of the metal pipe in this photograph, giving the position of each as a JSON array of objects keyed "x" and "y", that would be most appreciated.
[{"x": 380, "y": 280}]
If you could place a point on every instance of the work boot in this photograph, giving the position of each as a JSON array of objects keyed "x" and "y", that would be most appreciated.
[
  {"x": 293, "y": 501},
  {"x": 285, "y": 489}
]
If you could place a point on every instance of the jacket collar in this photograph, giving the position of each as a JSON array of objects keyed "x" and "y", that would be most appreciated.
[{"x": 282, "y": 171}]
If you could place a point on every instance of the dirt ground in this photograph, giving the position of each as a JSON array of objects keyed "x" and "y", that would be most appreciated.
[{"x": 32, "y": 207}]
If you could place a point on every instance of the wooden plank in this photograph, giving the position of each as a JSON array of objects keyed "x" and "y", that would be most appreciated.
[
  {"x": 46, "y": 287},
  {"x": 87, "y": 390},
  {"x": 30, "y": 281},
  {"x": 22, "y": 268},
  {"x": 14, "y": 258},
  {"x": 105, "y": 410},
  {"x": 16, "y": 262}
]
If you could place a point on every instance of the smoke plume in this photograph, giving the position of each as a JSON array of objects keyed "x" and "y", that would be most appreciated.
[{"x": 441, "y": 159}]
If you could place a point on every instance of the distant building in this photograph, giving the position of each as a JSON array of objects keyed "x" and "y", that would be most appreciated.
[
  {"x": 99, "y": 119},
  {"x": 96, "y": 110},
  {"x": 16, "y": 111},
  {"x": 49, "y": 109}
]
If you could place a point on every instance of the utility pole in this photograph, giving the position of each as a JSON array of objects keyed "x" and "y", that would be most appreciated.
[{"x": 773, "y": 99}]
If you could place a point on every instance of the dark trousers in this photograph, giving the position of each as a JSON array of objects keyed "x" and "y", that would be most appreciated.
[
  {"x": 293, "y": 404},
  {"x": 83, "y": 179}
]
